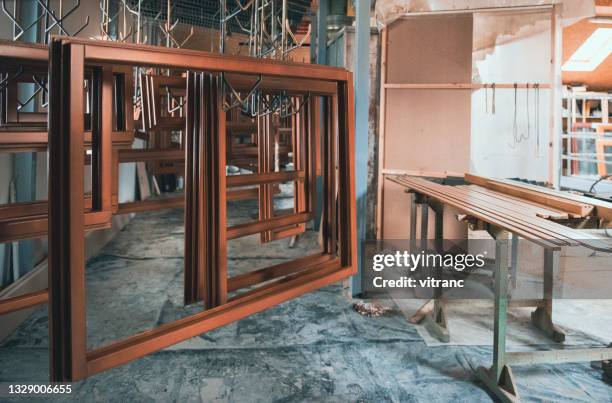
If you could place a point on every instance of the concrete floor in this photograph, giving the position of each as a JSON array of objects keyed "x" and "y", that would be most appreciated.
[{"x": 313, "y": 348}]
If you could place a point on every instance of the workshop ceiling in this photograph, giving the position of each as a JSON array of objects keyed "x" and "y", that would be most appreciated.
[
  {"x": 205, "y": 13},
  {"x": 575, "y": 35}
]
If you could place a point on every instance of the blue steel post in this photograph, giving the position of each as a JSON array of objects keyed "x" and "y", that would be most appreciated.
[
  {"x": 361, "y": 77},
  {"x": 321, "y": 59},
  {"x": 24, "y": 163}
]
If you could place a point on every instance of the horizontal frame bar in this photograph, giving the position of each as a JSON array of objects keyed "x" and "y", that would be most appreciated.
[
  {"x": 25, "y": 51},
  {"x": 28, "y": 300},
  {"x": 37, "y": 226},
  {"x": 273, "y": 272},
  {"x": 136, "y": 155},
  {"x": 151, "y": 205},
  {"x": 269, "y": 177},
  {"x": 238, "y": 231},
  {"x": 166, "y": 335}
]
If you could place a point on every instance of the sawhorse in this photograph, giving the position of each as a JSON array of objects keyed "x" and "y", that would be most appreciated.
[{"x": 499, "y": 378}]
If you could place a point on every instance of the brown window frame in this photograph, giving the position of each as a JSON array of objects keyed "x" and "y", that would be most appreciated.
[
  {"x": 28, "y": 220},
  {"x": 205, "y": 224}
]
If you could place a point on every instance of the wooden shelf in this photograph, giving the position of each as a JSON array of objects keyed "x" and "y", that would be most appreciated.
[{"x": 463, "y": 86}]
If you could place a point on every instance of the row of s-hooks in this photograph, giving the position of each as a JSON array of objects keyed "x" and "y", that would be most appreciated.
[
  {"x": 40, "y": 87},
  {"x": 255, "y": 103},
  {"x": 169, "y": 27},
  {"x": 107, "y": 19},
  {"x": 269, "y": 36},
  {"x": 52, "y": 17},
  {"x": 267, "y": 25}
]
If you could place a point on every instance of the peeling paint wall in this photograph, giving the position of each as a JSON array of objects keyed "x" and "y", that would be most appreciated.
[
  {"x": 387, "y": 11},
  {"x": 340, "y": 52},
  {"x": 511, "y": 49},
  {"x": 509, "y": 46}
]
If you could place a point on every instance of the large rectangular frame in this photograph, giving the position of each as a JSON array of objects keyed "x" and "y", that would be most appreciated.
[{"x": 206, "y": 233}]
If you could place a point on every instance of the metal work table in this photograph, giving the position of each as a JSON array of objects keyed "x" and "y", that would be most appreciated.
[{"x": 507, "y": 212}]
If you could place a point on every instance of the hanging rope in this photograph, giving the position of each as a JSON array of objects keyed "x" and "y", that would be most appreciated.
[
  {"x": 493, "y": 101},
  {"x": 537, "y": 114},
  {"x": 486, "y": 99},
  {"x": 527, "y": 110},
  {"x": 516, "y": 136}
]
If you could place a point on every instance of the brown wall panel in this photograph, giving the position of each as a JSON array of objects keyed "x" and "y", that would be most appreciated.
[
  {"x": 430, "y": 50},
  {"x": 426, "y": 130}
]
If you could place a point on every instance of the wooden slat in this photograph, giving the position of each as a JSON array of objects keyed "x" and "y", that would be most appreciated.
[
  {"x": 151, "y": 205},
  {"x": 525, "y": 205},
  {"x": 499, "y": 213},
  {"x": 268, "y": 177},
  {"x": 547, "y": 199},
  {"x": 479, "y": 213},
  {"x": 241, "y": 230},
  {"x": 603, "y": 209},
  {"x": 273, "y": 272},
  {"x": 504, "y": 211},
  {"x": 135, "y": 155},
  {"x": 510, "y": 209},
  {"x": 23, "y": 301}
]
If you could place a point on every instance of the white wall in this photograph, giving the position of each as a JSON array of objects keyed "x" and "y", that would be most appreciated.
[{"x": 521, "y": 57}]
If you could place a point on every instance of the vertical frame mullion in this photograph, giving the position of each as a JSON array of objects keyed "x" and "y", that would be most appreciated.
[
  {"x": 266, "y": 191},
  {"x": 96, "y": 109},
  {"x": 346, "y": 184},
  {"x": 67, "y": 328},
  {"x": 205, "y": 198},
  {"x": 300, "y": 156},
  {"x": 194, "y": 278},
  {"x": 330, "y": 173},
  {"x": 296, "y": 150},
  {"x": 106, "y": 139},
  {"x": 313, "y": 124},
  {"x": 325, "y": 173},
  {"x": 218, "y": 213}
]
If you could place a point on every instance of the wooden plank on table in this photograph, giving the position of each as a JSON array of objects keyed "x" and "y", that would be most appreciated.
[
  {"x": 499, "y": 209},
  {"x": 510, "y": 209},
  {"x": 505, "y": 215},
  {"x": 571, "y": 206},
  {"x": 478, "y": 213},
  {"x": 537, "y": 209},
  {"x": 602, "y": 209}
]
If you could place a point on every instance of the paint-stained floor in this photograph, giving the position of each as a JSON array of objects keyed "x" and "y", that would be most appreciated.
[{"x": 313, "y": 348}]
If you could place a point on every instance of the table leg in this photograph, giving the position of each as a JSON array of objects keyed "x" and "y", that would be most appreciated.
[
  {"x": 436, "y": 321},
  {"x": 499, "y": 379},
  {"x": 413, "y": 221},
  {"x": 424, "y": 225},
  {"x": 513, "y": 262},
  {"x": 542, "y": 316}
]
